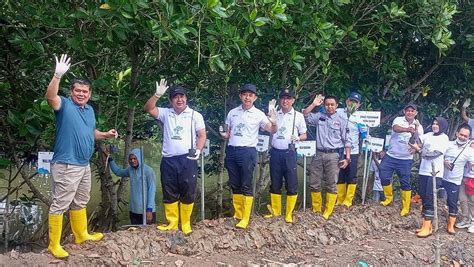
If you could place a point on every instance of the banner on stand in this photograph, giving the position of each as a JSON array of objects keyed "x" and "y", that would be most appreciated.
[
  {"x": 369, "y": 118},
  {"x": 306, "y": 148},
  {"x": 205, "y": 149},
  {"x": 263, "y": 142},
  {"x": 44, "y": 162},
  {"x": 375, "y": 144}
]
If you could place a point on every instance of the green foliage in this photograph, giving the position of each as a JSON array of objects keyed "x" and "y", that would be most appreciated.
[{"x": 384, "y": 49}]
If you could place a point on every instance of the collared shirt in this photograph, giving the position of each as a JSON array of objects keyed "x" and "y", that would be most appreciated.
[
  {"x": 75, "y": 125},
  {"x": 432, "y": 143},
  {"x": 354, "y": 130},
  {"x": 285, "y": 123},
  {"x": 399, "y": 147},
  {"x": 331, "y": 132},
  {"x": 178, "y": 129},
  {"x": 244, "y": 125},
  {"x": 455, "y": 176}
]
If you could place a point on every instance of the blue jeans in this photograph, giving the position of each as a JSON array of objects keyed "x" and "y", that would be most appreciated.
[
  {"x": 426, "y": 192},
  {"x": 452, "y": 190},
  {"x": 402, "y": 167}
]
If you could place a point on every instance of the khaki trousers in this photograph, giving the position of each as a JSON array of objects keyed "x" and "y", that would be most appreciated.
[
  {"x": 71, "y": 187},
  {"x": 324, "y": 166}
]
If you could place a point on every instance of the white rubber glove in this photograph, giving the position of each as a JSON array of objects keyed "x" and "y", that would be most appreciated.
[
  {"x": 198, "y": 152},
  {"x": 318, "y": 100},
  {"x": 62, "y": 65},
  {"x": 272, "y": 111},
  {"x": 466, "y": 103},
  {"x": 295, "y": 138},
  {"x": 161, "y": 88}
]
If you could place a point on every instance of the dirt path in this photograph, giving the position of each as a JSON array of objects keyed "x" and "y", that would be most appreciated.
[{"x": 363, "y": 235}]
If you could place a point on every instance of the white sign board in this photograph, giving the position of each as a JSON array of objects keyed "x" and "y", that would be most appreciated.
[
  {"x": 369, "y": 118},
  {"x": 44, "y": 162},
  {"x": 205, "y": 149},
  {"x": 306, "y": 148},
  {"x": 375, "y": 144},
  {"x": 263, "y": 142}
]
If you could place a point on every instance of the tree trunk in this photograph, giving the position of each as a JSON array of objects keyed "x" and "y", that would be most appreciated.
[
  {"x": 128, "y": 144},
  {"x": 108, "y": 208}
]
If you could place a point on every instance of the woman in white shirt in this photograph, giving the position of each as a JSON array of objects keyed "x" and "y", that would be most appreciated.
[{"x": 433, "y": 147}]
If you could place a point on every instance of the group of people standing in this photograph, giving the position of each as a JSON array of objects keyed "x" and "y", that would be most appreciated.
[{"x": 338, "y": 137}]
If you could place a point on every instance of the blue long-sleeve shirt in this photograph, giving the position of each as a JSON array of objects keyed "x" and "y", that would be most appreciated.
[{"x": 136, "y": 195}]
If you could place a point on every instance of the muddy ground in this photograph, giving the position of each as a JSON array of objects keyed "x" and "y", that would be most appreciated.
[{"x": 362, "y": 236}]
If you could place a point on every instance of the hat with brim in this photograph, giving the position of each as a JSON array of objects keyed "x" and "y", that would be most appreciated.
[
  {"x": 355, "y": 96},
  {"x": 248, "y": 87},
  {"x": 411, "y": 105},
  {"x": 287, "y": 92},
  {"x": 177, "y": 90}
]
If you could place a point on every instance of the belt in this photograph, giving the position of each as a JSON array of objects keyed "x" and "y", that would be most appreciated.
[
  {"x": 280, "y": 150},
  {"x": 323, "y": 150},
  {"x": 240, "y": 147}
]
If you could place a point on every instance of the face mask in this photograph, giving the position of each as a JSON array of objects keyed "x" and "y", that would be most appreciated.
[{"x": 459, "y": 142}]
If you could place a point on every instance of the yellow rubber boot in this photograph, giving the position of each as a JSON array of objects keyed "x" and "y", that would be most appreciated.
[
  {"x": 341, "y": 193},
  {"x": 316, "y": 201},
  {"x": 426, "y": 229},
  {"x": 350, "y": 193},
  {"x": 330, "y": 202},
  {"x": 238, "y": 201},
  {"x": 248, "y": 201},
  {"x": 451, "y": 222},
  {"x": 421, "y": 228},
  {"x": 388, "y": 192},
  {"x": 406, "y": 199},
  {"x": 290, "y": 206},
  {"x": 185, "y": 216},
  {"x": 55, "y": 230},
  {"x": 275, "y": 207},
  {"x": 171, "y": 214},
  {"x": 78, "y": 219}
]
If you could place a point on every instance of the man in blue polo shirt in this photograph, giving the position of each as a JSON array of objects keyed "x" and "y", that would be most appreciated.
[{"x": 73, "y": 148}]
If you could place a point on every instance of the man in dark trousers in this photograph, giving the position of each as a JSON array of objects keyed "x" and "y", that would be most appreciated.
[
  {"x": 291, "y": 128},
  {"x": 399, "y": 157},
  {"x": 243, "y": 123},
  {"x": 184, "y": 136},
  {"x": 347, "y": 182}
]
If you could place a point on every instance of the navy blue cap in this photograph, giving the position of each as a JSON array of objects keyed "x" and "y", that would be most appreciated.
[
  {"x": 355, "y": 96},
  {"x": 176, "y": 90},
  {"x": 248, "y": 87},
  {"x": 287, "y": 92},
  {"x": 411, "y": 105}
]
